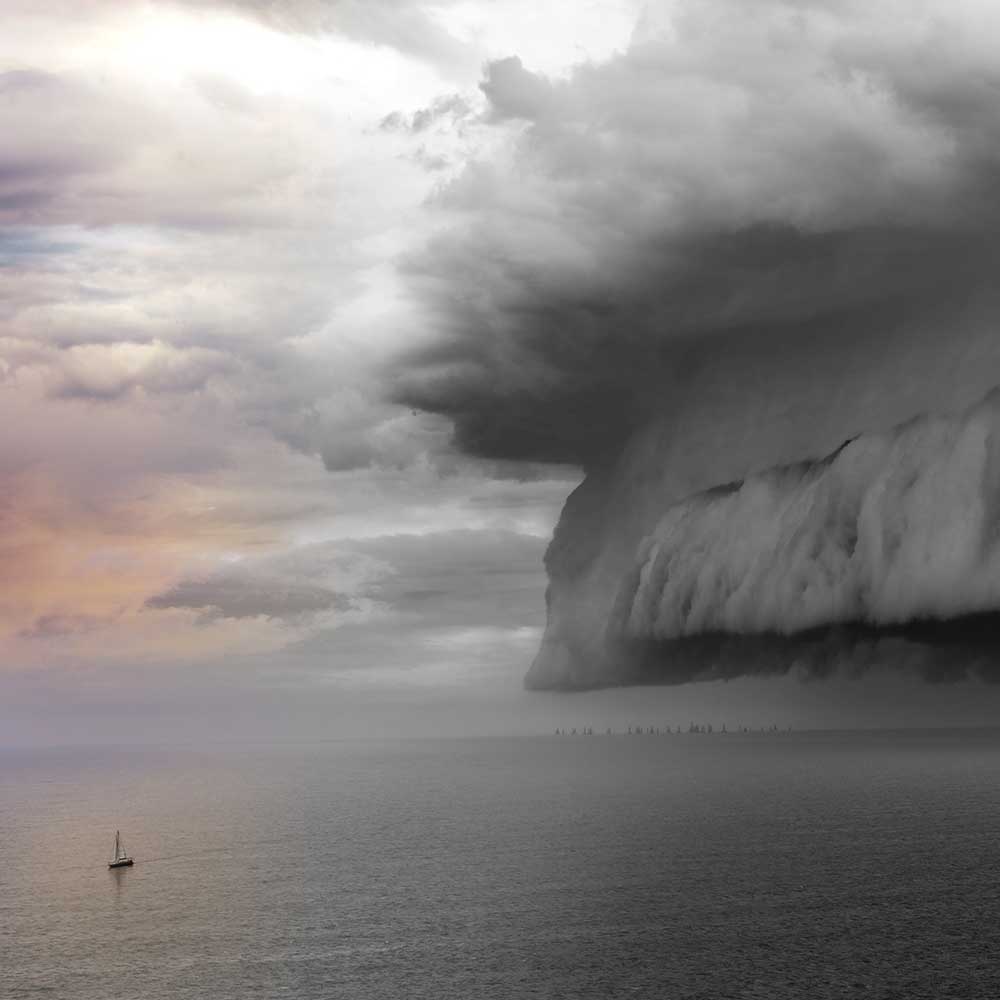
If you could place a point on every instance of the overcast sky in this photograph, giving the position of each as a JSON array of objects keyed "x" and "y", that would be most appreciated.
[{"x": 257, "y": 476}]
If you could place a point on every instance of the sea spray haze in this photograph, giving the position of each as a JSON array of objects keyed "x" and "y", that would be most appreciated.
[{"x": 758, "y": 231}]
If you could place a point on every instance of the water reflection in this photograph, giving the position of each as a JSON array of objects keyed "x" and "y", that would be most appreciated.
[{"x": 118, "y": 876}]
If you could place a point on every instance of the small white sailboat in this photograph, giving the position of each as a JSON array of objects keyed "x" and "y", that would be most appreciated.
[{"x": 121, "y": 858}]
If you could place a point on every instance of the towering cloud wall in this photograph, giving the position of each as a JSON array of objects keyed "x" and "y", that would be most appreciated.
[
  {"x": 761, "y": 231},
  {"x": 761, "y": 519},
  {"x": 891, "y": 528}
]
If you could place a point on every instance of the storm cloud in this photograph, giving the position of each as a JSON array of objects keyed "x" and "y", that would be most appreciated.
[
  {"x": 883, "y": 552},
  {"x": 755, "y": 173},
  {"x": 758, "y": 231}
]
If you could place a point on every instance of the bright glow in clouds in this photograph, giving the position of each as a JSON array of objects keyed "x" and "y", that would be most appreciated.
[{"x": 171, "y": 47}]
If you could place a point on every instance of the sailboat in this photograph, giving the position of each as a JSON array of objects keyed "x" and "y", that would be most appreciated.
[{"x": 121, "y": 859}]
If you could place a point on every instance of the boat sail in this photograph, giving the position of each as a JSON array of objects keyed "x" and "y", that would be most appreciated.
[{"x": 121, "y": 858}]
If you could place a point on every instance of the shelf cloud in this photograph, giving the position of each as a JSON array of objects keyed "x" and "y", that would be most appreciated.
[{"x": 758, "y": 231}]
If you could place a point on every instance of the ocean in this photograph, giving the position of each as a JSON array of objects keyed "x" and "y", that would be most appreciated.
[{"x": 781, "y": 865}]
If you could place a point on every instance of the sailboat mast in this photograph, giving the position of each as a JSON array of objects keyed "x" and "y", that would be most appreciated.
[{"x": 117, "y": 845}]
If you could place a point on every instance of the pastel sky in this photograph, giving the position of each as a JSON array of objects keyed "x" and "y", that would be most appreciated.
[
  {"x": 205, "y": 495},
  {"x": 225, "y": 509}
]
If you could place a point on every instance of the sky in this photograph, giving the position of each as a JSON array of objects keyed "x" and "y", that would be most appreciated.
[
  {"x": 313, "y": 313},
  {"x": 212, "y": 508}
]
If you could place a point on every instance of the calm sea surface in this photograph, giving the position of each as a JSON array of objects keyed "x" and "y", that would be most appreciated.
[{"x": 803, "y": 865}]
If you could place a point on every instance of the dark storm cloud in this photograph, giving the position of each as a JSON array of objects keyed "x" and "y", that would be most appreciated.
[
  {"x": 881, "y": 554},
  {"x": 755, "y": 173},
  {"x": 938, "y": 652}
]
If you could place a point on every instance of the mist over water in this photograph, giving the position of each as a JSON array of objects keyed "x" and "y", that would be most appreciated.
[{"x": 756, "y": 866}]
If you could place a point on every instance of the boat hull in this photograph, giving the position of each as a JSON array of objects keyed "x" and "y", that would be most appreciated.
[{"x": 124, "y": 863}]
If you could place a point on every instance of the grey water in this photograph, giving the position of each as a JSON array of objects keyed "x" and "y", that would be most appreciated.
[{"x": 792, "y": 865}]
